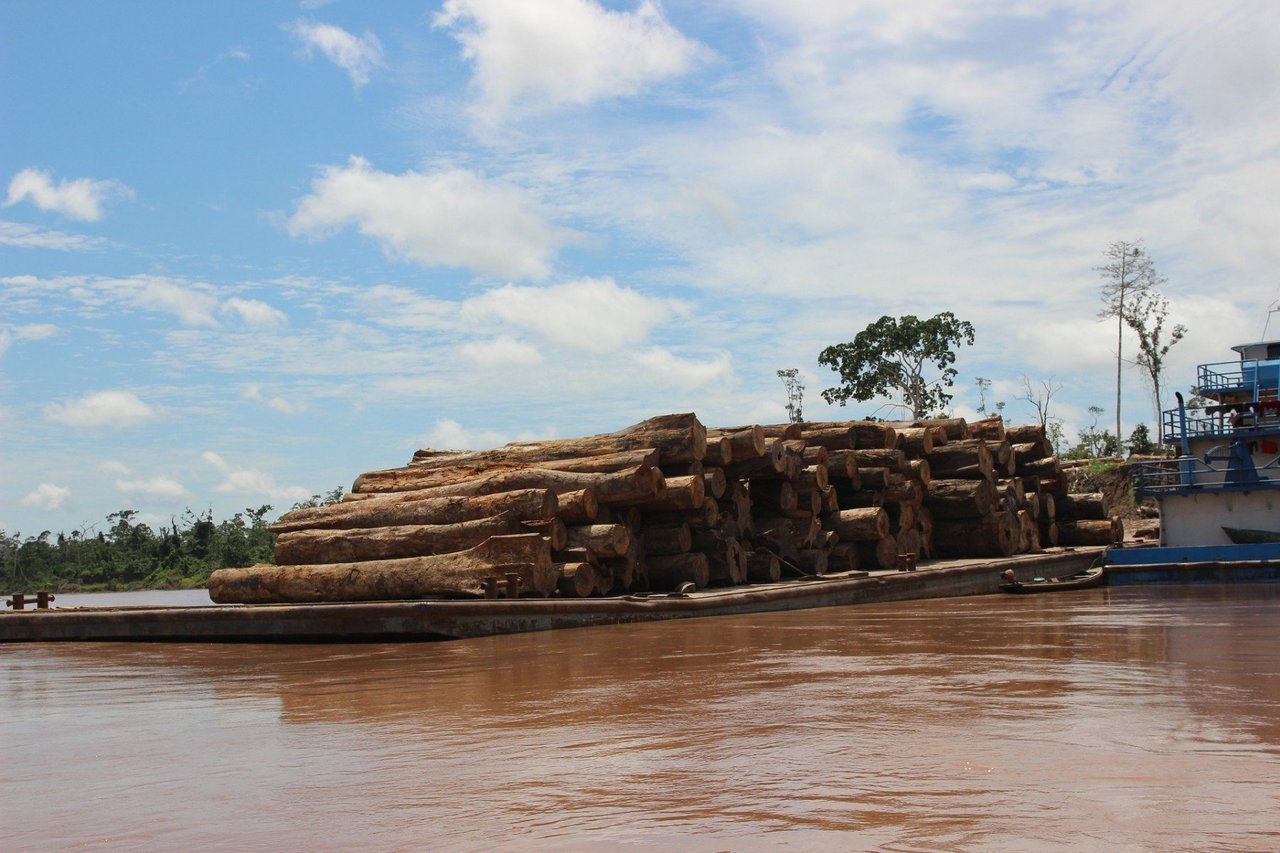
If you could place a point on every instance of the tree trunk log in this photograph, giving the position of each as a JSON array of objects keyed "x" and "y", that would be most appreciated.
[
  {"x": 456, "y": 574},
  {"x": 605, "y": 540},
  {"x": 878, "y": 554},
  {"x": 677, "y": 438},
  {"x": 523, "y": 503},
  {"x": 763, "y": 567},
  {"x": 994, "y": 535},
  {"x": 954, "y": 499},
  {"x": 577, "y": 580},
  {"x": 1090, "y": 531},
  {"x": 988, "y": 429},
  {"x": 858, "y": 525},
  {"x": 667, "y": 573},
  {"x": 1087, "y": 506},
  {"x": 388, "y": 543},
  {"x": 915, "y": 442}
]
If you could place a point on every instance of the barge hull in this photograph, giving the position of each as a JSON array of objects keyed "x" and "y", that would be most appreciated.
[{"x": 441, "y": 619}]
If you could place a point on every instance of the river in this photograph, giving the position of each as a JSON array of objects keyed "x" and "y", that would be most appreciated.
[{"x": 1131, "y": 718}]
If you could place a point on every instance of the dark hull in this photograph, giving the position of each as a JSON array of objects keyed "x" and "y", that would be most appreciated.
[
  {"x": 1242, "y": 536},
  {"x": 1081, "y": 580}
]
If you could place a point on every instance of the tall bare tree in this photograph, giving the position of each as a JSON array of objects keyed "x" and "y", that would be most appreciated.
[
  {"x": 1127, "y": 273},
  {"x": 1146, "y": 315}
]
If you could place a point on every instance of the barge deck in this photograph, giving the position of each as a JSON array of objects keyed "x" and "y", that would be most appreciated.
[{"x": 457, "y": 619}]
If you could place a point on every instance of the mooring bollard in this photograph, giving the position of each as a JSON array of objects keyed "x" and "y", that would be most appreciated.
[{"x": 20, "y": 600}]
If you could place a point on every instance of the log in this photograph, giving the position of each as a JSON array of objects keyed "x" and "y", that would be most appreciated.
[
  {"x": 1025, "y": 434},
  {"x": 667, "y": 573},
  {"x": 919, "y": 470},
  {"x": 677, "y": 438},
  {"x": 812, "y": 561},
  {"x": 667, "y": 539},
  {"x": 966, "y": 456},
  {"x": 915, "y": 442},
  {"x": 994, "y": 535},
  {"x": 839, "y": 437},
  {"x": 773, "y": 495},
  {"x": 893, "y": 459},
  {"x": 954, "y": 499},
  {"x": 842, "y": 464},
  {"x": 523, "y": 503},
  {"x": 726, "y": 561},
  {"x": 1048, "y": 507},
  {"x": 1047, "y": 466},
  {"x": 1090, "y": 531},
  {"x": 988, "y": 429},
  {"x": 457, "y": 574},
  {"x": 844, "y": 558},
  {"x": 744, "y": 443},
  {"x": 714, "y": 482},
  {"x": 578, "y": 507},
  {"x": 1082, "y": 506},
  {"x": 606, "y": 540},
  {"x": 680, "y": 494},
  {"x": 878, "y": 554},
  {"x": 1025, "y": 453},
  {"x": 763, "y": 567},
  {"x": 951, "y": 429},
  {"x": 857, "y": 525},
  {"x": 388, "y": 543},
  {"x": 1030, "y": 532},
  {"x": 770, "y": 464},
  {"x": 577, "y": 580},
  {"x": 640, "y": 483},
  {"x": 1049, "y": 534}
]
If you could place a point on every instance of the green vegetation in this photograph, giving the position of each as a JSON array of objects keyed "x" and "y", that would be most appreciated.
[
  {"x": 892, "y": 354},
  {"x": 131, "y": 555}
]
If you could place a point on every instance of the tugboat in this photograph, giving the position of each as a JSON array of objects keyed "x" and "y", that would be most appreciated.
[{"x": 1219, "y": 498}]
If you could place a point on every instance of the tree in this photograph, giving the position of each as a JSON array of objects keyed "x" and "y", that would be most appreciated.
[
  {"x": 795, "y": 393},
  {"x": 1140, "y": 440},
  {"x": 1040, "y": 399},
  {"x": 1146, "y": 316},
  {"x": 892, "y": 355},
  {"x": 1127, "y": 273}
]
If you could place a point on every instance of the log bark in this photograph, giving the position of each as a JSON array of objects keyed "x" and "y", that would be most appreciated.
[
  {"x": 953, "y": 499},
  {"x": 763, "y": 567},
  {"x": 867, "y": 434},
  {"x": 677, "y": 438},
  {"x": 831, "y": 437},
  {"x": 457, "y": 574},
  {"x": 971, "y": 458},
  {"x": 388, "y": 543},
  {"x": 638, "y": 484},
  {"x": 667, "y": 539},
  {"x": 892, "y": 459},
  {"x": 994, "y": 535},
  {"x": 858, "y": 525},
  {"x": 988, "y": 429},
  {"x": 578, "y": 507},
  {"x": 1082, "y": 506},
  {"x": 842, "y": 464},
  {"x": 919, "y": 470},
  {"x": 606, "y": 540},
  {"x": 1090, "y": 531},
  {"x": 680, "y": 494},
  {"x": 915, "y": 442},
  {"x": 577, "y": 580},
  {"x": 667, "y": 573},
  {"x": 745, "y": 443},
  {"x": 878, "y": 554},
  {"x": 523, "y": 503}
]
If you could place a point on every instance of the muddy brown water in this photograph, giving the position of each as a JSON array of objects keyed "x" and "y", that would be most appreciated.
[{"x": 1133, "y": 718}]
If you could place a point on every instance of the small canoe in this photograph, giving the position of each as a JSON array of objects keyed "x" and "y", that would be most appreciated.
[
  {"x": 1095, "y": 576},
  {"x": 1244, "y": 536}
]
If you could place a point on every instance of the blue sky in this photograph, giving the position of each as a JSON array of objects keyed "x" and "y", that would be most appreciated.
[{"x": 250, "y": 250}]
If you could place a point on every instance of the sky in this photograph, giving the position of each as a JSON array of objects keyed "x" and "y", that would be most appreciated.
[{"x": 249, "y": 250}]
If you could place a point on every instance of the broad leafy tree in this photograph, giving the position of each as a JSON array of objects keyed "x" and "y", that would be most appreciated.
[{"x": 892, "y": 355}]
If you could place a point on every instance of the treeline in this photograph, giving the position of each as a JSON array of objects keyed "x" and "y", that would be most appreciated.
[{"x": 131, "y": 555}]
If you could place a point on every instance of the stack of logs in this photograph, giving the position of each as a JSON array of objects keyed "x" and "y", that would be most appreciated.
[{"x": 667, "y": 503}]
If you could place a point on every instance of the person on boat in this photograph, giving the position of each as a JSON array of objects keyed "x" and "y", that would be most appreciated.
[{"x": 1008, "y": 577}]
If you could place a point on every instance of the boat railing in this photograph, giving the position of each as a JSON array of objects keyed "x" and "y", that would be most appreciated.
[
  {"x": 1223, "y": 420},
  {"x": 1164, "y": 476},
  {"x": 1255, "y": 377}
]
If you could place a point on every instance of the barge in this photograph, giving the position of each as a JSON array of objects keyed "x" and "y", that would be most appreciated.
[{"x": 456, "y": 619}]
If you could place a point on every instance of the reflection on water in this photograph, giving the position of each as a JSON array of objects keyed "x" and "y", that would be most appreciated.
[{"x": 1130, "y": 718}]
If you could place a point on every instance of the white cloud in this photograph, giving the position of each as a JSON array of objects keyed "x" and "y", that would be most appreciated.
[
  {"x": 449, "y": 218},
  {"x": 80, "y": 199},
  {"x": 254, "y": 313},
  {"x": 252, "y": 482},
  {"x": 114, "y": 466},
  {"x": 587, "y": 314},
  {"x": 564, "y": 51},
  {"x": 46, "y": 496},
  {"x": 686, "y": 372},
  {"x": 10, "y": 335},
  {"x": 157, "y": 488},
  {"x": 500, "y": 353},
  {"x": 359, "y": 56},
  {"x": 253, "y": 391},
  {"x": 192, "y": 304},
  {"x": 101, "y": 408},
  {"x": 33, "y": 237},
  {"x": 448, "y": 434}
]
